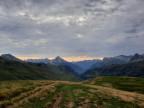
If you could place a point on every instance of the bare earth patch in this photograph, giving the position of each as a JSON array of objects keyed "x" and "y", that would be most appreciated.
[
  {"x": 42, "y": 89},
  {"x": 87, "y": 104},
  {"x": 78, "y": 91},
  {"x": 58, "y": 100},
  {"x": 70, "y": 105}
]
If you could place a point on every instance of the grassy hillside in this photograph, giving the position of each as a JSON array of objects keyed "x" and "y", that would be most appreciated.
[
  {"x": 61, "y": 94},
  {"x": 134, "y": 69},
  {"x": 131, "y": 84},
  {"x": 14, "y": 70}
]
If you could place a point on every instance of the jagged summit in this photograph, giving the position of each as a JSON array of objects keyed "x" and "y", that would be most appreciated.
[
  {"x": 107, "y": 61},
  {"x": 137, "y": 57},
  {"x": 58, "y": 59}
]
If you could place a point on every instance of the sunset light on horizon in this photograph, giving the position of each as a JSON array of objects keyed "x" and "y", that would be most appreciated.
[{"x": 69, "y": 59}]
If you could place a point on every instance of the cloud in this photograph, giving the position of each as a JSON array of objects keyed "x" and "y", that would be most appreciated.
[
  {"x": 79, "y": 36},
  {"x": 48, "y": 28}
]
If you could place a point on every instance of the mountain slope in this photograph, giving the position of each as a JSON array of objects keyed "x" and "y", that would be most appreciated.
[
  {"x": 111, "y": 61},
  {"x": 10, "y": 57},
  {"x": 131, "y": 84},
  {"x": 137, "y": 57},
  {"x": 66, "y": 68},
  {"x": 14, "y": 70},
  {"x": 59, "y": 61},
  {"x": 134, "y": 69},
  {"x": 86, "y": 64},
  {"x": 46, "y": 60}
]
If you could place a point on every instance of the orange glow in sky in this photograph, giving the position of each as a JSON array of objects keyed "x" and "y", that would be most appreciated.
[{"x": 70, "y": 59}]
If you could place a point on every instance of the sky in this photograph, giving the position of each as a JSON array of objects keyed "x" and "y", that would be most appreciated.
[
  {"x": 71, "y": 28},
  {"x": 70, "y": 59}
]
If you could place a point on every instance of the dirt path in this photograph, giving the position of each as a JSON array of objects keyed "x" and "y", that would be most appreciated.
[
  {"x": 70, "y": 105},
  {"x": 87, "y": 104},
  {"x": 30, "y": 96},
  {"x": 58, "y": 100},
  {"x": 24, "y": 99}
]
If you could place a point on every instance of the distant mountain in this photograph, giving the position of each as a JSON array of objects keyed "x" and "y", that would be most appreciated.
[
  {"x": 111, "y": 61},
  {"x": 46, "y": 60},
  {"x": 137, "y": 57},
  {"x": 10, "y": 57},
  {"x": 59, "y": 61},
  {"x": 86, "y": 64},
  {"x": 133, "y": 69},
  {"x": 15, "y": 70}
]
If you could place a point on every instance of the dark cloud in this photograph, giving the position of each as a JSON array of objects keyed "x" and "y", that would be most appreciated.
[{"x": 48, "y": 28}]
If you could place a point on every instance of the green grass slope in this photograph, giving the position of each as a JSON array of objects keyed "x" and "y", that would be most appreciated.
[
  {"x": 14, "y": 70},
  {"x": 131, "y": 84},
  {"x": 62, "y": 94},
  {"x": 134, "y": 69}
]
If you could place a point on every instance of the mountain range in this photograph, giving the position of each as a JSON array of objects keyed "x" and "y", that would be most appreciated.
[
  {"x": 58, "y": 69},
  {"x": 59, "y": 61},
  {"x": 82, "y": 66},
  {"x": 107, "y": 61},
  {"x": 15, "y": 70},
  {"x": 133, "y": 68},
  {"x": 79, "y": 66}
]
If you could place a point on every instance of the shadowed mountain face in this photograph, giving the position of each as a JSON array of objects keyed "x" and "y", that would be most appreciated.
[
  {"x": 46, "y": 60},
  {"x": 81, "y": 66},
  {"x": 58, "y": 61},
  {"x": 113, "y": 66},
  {"x": 134, "y": 69},
  {"x": 10, "y": 57},
  {"x": 86, "y": 64},
  {"x": 66, "y": 68},
  {"x": 15, "y": 70},
  {"x": 111, "y": 61},
  {"x": 137, "y": 57}
]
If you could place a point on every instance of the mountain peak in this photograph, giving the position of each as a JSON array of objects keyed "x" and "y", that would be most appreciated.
[
  {"x": 136, "y": 54},
  {"x": 10, "y": 57},
  {"x": 107, "y": 61},
  {"x": 137, "y": 57},
  {"x": 58, "y": 59},
  {"x": 6, "y": 55}
]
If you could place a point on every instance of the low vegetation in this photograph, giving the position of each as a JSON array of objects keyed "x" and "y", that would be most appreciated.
[
  {"x": 131, "y": 84},
  {"x": 102, "y": 92}
]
